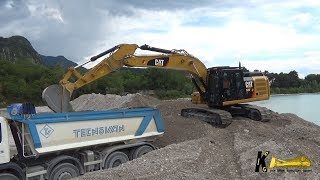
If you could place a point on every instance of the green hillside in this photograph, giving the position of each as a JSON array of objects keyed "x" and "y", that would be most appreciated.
[
  {"x": 18, "y": 48},
  {"x": 22, "y": 81}
]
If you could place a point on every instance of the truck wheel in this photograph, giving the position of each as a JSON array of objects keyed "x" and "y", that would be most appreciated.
[
  {"x": 131, "y": 153},
  {"x": 141, "y": 151},
  {"x": 115, "y": 159},
  {"x": 64, "y": 171},
  {"x": 8, "y": 176}
]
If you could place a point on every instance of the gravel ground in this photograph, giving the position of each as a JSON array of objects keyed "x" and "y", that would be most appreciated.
[{"x": 192, "y": 149}]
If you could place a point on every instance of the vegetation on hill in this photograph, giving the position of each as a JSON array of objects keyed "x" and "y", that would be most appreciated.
[
  {"x": 17, "y": 47},
  {"x": 22, "y": 81},
  {"x": 52, "y": 61},
  {"x": 290, "y": 83},
  {"x": 163, "y": 83}
]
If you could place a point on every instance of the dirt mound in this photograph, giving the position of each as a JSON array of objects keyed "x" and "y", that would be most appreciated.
[
  {"x": 95, "y": 102},
  {"x": 192, "y": 149},
  {"x": 178, "y": 128}
]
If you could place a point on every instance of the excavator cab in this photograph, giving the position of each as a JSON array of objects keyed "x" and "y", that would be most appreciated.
[
  {"x": 225, "y": 84},
  {"x": 231, "y": 85}
]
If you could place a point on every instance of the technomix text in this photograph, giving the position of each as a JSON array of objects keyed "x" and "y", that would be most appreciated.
[{"x": 97, "y": 131}]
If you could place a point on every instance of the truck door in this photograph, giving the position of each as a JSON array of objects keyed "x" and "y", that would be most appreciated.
[{"x": 4, "y": 141}]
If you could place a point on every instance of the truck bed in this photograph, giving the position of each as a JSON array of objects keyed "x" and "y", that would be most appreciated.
[{"x": 59, "y": 131}]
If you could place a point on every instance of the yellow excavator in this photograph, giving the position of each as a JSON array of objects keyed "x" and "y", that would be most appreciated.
[{"x": 224, "y": 89}]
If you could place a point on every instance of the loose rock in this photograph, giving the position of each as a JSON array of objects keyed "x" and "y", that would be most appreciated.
[{"x": 192, "y": 149}]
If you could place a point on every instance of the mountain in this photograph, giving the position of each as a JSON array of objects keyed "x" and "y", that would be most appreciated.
[
  {"x": 19, "y": 49},
  {"x": 16, "y": 48},
  {"x": 51, "y": 61}
]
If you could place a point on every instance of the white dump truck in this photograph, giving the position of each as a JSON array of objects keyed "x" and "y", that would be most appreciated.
[{"x": 65, "y": 145}]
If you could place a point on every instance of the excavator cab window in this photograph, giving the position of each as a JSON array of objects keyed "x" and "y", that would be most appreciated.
[{"x": 225, "y": 84}]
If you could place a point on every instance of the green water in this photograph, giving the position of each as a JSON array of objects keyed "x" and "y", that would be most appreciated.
[{"x": 306, "y": 106}]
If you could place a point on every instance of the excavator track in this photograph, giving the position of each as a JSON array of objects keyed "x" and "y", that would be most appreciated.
[
  {"x": 215, "y": 117},
  {"x": 257, "y": 113},
  {"x": 223, "y": 118}
]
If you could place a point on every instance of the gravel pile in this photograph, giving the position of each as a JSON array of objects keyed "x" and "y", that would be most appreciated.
[
  {"x": 95, "y": 102},
  {"x": 192, "y": 149}
]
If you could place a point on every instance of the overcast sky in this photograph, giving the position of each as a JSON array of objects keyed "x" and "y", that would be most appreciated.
[{"x": 268, "y": 35}]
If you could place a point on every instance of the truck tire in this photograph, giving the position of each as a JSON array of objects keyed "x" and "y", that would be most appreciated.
[
  {"x": 8, "y": 176},
  {"x": 64, "y": 171},
  {"x": 115, "y": 159},
  {"x": 141, "y": 151}
]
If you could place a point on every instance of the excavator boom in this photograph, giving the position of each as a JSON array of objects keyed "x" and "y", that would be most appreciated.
[{"x": 58, "y": 97}]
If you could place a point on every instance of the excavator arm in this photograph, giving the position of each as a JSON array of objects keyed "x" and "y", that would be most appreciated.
[
  {"x": 57, "y": 97},
  {"x": 106, "y": 66},
  {"x": 176, "y": 59}
]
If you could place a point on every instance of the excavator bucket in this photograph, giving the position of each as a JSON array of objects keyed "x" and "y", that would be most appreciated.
[{"x": 57, "y": 98}]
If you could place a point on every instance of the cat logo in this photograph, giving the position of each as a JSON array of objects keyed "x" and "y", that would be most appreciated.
[
  {"x": 158, "y": 62},
  {"x": 249, "y": 84}
]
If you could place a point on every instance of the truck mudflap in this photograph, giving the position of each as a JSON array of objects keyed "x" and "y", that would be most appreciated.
[{"x": 59, "y": 131}]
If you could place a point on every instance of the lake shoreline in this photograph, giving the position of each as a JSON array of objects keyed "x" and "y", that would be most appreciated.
[
  {"x": 305, "y": 105},
  {"x": 294, "y": 94}
]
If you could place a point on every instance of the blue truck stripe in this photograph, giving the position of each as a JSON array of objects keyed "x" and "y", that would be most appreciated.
[
  {"x": 146, "y": 121},
  {"x": 143, "y": 125},
  {"x": 84, "y": 116},
  {"x": 158, "y": 121},
  {"x": 35, "y": 135}
]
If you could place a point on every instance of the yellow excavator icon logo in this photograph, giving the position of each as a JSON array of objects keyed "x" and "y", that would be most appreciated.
[{"x": 297, "y": 162}]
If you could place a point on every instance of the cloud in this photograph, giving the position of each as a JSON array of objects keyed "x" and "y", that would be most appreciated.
[
  {"x": 217, "y": 32},
  {"x": 43, "y": 11},
  {"x": 309, "y": 63},
  {"x": 302, "y": 18}
]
